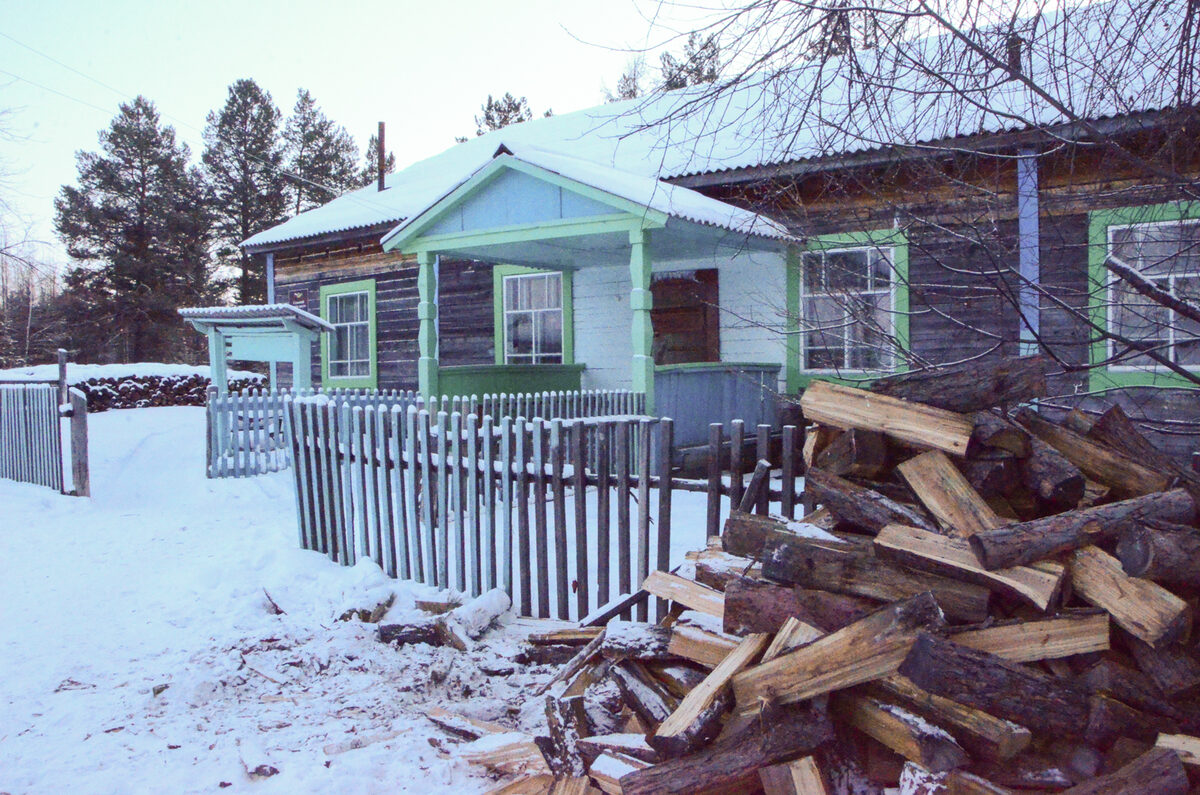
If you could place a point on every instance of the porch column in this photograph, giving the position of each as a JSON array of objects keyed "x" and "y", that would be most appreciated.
[
  {"x": 641, "y": 302},
  {"x": 216, "y": 360},
  {"x": 427, "y": 334},
  {"x": 301, "y": 360}
]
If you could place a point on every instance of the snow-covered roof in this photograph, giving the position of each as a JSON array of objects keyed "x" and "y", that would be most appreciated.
[
  {"x": 254, "y": 312},
  {"x": 673, "y": 201},
  {"x": 815, "y": 111}
]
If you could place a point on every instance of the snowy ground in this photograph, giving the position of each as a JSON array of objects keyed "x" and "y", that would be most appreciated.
[{"x": 140, "y": 653}]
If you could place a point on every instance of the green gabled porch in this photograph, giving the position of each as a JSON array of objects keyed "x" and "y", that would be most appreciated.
[{"x": 555, "y": 213}]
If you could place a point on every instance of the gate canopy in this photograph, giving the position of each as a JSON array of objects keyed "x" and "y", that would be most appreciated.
[
  {"x": 258, "y": 333},
  {"x": 550, "y": 210}
]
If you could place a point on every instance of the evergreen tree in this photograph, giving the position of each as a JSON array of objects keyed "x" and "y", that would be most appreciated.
[
  {"x": 243, "y": 158},
  {"x": 138, "y": 223},
  {"x": 629, "y": 84},
  {"x": 699, "y": 64},
  {"x": 370, "y": 171},
  {"x": 322, "y": 159},
  {"x": 499, "y": 113}
]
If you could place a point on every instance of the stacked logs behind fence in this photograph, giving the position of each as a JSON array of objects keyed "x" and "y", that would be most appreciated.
[{"x": 985, "y": 601}]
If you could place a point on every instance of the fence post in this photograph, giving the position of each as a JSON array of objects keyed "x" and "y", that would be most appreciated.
[
  {"x": 787, "y": 486},
  {"x": 763, "y": 504},
  {"x": 80, "y": 473},
  {"x": 715, "y": 432},
  {"x": 666, "y": 441},
  {"x": 62, "y": 377}
]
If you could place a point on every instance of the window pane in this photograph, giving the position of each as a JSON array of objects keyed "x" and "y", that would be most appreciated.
[
  {"x": 827, "y": 325},
  {"x": 519, "y": 333},
  {"x": 871, "y": 347},
  {"x": 550, "y": 332},
  {"x": 813, "y": 280},
  {"x": 881, "y": 269},
  {"x": 1136, "y": 316},
  {"x": 847, "y": 270},
  {"x": 554, "y": 291}
]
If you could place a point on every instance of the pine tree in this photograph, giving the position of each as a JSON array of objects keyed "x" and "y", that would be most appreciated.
[
  {"x": 138, "y": 224},
  {"x": 499, "y": 113},
  {"x": 322, "y": 159},
  {"x": 243, "y": 158},
  {"x": 699, "y": 64},
  {"x": 629, "y": 84},
  {"x": 370, "y": 171}
]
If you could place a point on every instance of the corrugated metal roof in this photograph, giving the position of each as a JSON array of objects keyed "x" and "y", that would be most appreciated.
[{"x": 770, "y": 120}]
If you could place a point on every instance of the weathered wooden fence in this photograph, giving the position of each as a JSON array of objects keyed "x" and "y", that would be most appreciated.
[
  {"x": 472, "y": 502},
  {"x": 31, "y": 443},
  {"x": 247, "y": 432},
  {"x": 729, "y": 462}
]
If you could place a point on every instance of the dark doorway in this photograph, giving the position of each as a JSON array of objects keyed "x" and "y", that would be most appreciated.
[{"x": 686, "y": 319}]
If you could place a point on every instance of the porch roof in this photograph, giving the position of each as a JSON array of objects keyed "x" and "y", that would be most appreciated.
[
  {"x": 545, "y": 208},
  {"x": 257, "y": 316}
]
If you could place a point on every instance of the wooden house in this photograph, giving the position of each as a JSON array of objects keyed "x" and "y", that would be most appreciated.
[{"x": 708, "y": 265}]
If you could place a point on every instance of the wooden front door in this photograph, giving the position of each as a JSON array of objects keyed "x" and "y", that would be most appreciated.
[{"x": 686, "y": 317}]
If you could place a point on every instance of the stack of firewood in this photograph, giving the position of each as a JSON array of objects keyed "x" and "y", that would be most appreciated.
[{"x": 984, "y": 601}]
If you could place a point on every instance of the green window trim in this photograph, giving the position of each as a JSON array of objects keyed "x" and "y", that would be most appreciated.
[
  {"x": 796, "y": 376},
  {"x": 499, "y": 272},
  {"x": 350, "y": 382},
  {"x": 1102, "y": 376}
]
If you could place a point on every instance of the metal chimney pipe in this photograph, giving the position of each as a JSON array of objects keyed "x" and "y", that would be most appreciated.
[{"x": 380, "y": 153}]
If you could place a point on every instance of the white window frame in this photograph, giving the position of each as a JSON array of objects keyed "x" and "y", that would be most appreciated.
[
  {"x": 529, "y": 359},
  {"x": 366, "y": 324},
  {"x": 890, "y": 253},
  {"x": 1110, "y": 305}
]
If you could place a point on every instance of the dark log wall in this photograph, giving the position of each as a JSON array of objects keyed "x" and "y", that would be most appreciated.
[{"x": 465, "y": 305}]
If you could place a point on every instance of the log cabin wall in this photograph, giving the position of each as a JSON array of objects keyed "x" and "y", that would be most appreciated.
[{"x": 465, "y": 304}]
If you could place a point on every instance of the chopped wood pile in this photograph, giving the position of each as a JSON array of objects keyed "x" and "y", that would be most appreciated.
[
  {"x": 985, "y": 602},
  {"x": 136, "y": 392}
]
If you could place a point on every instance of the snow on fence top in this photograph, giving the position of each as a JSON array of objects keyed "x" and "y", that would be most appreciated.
[{"x": 77, "y": 373}]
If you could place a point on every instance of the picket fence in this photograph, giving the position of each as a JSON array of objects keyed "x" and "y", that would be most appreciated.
[
  {"x": 247, "y": 432},
  {"x": 31, "y": 439},
  {"x": 472, "y": 501}
]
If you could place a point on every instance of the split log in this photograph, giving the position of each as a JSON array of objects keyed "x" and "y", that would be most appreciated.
[
  {"x": 1053, "y": 638},
  {"x": 1186, "y": 746},
  {"x": 961, "y": 782},
  {"x": 793, "y": 634},
  {"x": 1055, "y": 481},
  {"x": 512, "y": 752},
  {"x": 846, "y": 407},
  {"x": 628, "y": 639},
  {"x": 1159, "y": 771},
  {"x": 1175, "y": 672},
  {"x": 613, "y": 607},
  {"x": 610, "y": 767},
  {"x": 992, "y": 473},
  {"x": 575, "y": 636},
  {"x": 685, "y": 592},
  {"x": 947, "y": 494},
  {"x": 799, "y": 777},
  {"x": 679, "y": 678},
  {"x": 757, "y": 606},
  {"x": 1124, "y": 751},
  {"x": 634, "y": 745},
  {"x": 867, "y": 649},
  {"x": 641, "y": 693},
  {"x": 1162, "y": 552},
  {"x": 970, "y": 386},
  {"x": 566, "y": 723},
  {"x": 747, "y": 534},
  {"x": 981, "y": 734},
  {"x": 477, "y": 616},
  {"x": 1017, "y": 693},
  {"x": 1135, "y": 688},
  {"x": 998, "y": 433},
  {"x": 905, "y": 733},
  {"x": 1026, "y": 542},
  {"x": 698, "y": 717},
  {"x": 1125, "y": 476},
  {"x": 542, "y": 784},
  {"x": 431, "y": 630},
  {"x": 1114, "y": 429},
  {"x": 700, "y": 646},
  {"x": 547, "y": 654},
  {"x": 462, "y": 726},
  {"x": 1140, "y": 607},
  {"x": 1027, "y": 771},
  {"x": 716, "y": 568},
  {"x": 575, "y": 665},
  {"x": 858, "y": 506},
  {"x": 816, "y": 439},
  {"x": 1040, "y": 583},
  {"x": 732, "y": 764},
  {"x": 855, "y": 453},
  {"x": 854, "y": 570}
]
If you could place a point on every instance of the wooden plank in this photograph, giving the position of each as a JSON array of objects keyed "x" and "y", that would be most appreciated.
[
  {"x": 411, "y": 481},
  {"x": 788, "y": 473},
  {"x": 737, "y": 447},
  {"x": 579, "y": 497},
  {"x": 686, "y": 592},
  {"x": 666, "y": 441},
  {"x": 1040, "y": 584},
  {"x": 763, "y": 453},
  {"x": 1144, "y": 609},
  {"x": 399, "y": 498},
  {"x": 643, "y": 511},
  {"x": 603, "y": 553},
  {"x": 870, "y": 648},
  {"x": 625, "y": 582},
  {"x": 540, "y": 532},
  {"x": 474, "y": 545},
  {"x": 799, "y": 777},
  {"x": 520, "y": 461},
  {"x": 442, "y": 538},
  {"x": 947, "y": 494},
  {"x": 80, "y": 472},
  {"x": 562, "y": 588},
  {"x": 700, "y": 646},
  {"x": 793, "y": 634},
  {"x": 713, "y": 513},
  {"x": 846, "y": 407},
  {"x": 427, "y": 488},
  {"x": 458, "y": 501},
  {"x": 487, "y": 481}
]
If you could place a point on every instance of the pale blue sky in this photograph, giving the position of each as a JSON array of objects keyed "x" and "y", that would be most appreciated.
[{"x": 424, "y": 68}]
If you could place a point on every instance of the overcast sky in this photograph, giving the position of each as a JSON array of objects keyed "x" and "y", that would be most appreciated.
[{"x": 424, "y": 68}]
